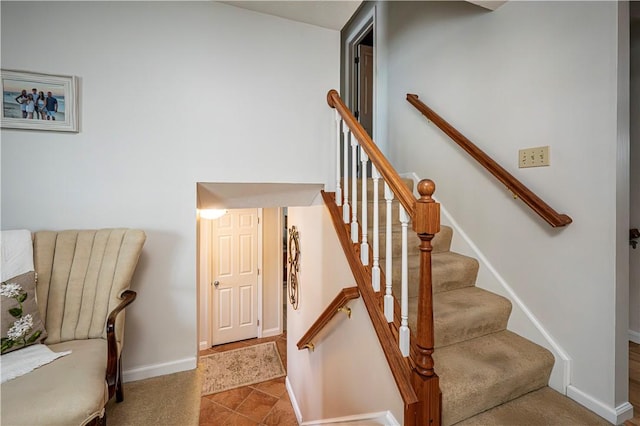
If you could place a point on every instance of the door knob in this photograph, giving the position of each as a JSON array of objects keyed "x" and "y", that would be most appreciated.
[
  {"x": 634, "y": 234},
  {"x": 216, "y": 283}
]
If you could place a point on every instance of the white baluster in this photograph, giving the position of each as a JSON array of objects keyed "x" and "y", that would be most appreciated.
[
  {"x": 338, "y": 183},
  {"x": 375, "y": 269},
  {"x": 404, "y": 299},
  {"x": 346, "y": 212},
  {"x": 388, "y": 271},
  {"x": 364, "y": 245},
  {"x": 354, "y": 189}
]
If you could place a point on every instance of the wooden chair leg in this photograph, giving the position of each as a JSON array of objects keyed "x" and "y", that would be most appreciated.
[{"x": 119, "y": 389}]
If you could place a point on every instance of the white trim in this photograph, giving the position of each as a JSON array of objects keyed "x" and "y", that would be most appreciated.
[
  {"x": 204, "y": 344},
  {"x": 380, "y": 418},
  {"x": 634, "y": 336},
  {"x": 617, "y": 415},
  {"x": 260, "y": 272},
  {"x": 154, "y": 370},
  {"x": 360, "y": 29},
  {"x": 565, "y": 361},
  {"x": 294, "y": 401}
]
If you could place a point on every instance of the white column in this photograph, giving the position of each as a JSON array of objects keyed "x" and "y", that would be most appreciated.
[
  {"x": 354, "y": 189},
  {"x": 338, "y": 151},
  {"x": 404, "y": 299},
  {"x": 388, "y": 269},
  {"x": 364, "y": 245},
  {"x": 346, "y": 212},
  {"x": 375, "y": 269}
]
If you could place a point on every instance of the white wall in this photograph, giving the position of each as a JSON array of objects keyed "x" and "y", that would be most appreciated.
[
  {"x": 329, "y": 382},
  {"x": 634, "y": 265},
  {"x": 526, "y": 75},
  {"x": 172, "y": 93}
]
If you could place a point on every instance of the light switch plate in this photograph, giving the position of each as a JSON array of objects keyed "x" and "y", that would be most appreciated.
[{"x": 534, "y": 157}]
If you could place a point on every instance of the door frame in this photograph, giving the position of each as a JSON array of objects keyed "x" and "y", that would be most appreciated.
[
  {"x": 206, "y": 280},
  {"x": 359, "y": 29}
]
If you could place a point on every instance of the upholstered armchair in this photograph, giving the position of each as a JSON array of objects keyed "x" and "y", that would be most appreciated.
[{"x": 82, "y": 288}]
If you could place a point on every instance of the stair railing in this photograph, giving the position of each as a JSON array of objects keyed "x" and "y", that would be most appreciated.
[
  {"x": 517, "y": 188},
  {"x": 424, "y": 216},
  {"x": 338, "y": 304}
]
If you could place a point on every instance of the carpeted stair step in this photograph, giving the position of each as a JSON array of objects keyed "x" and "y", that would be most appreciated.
[
  {"x": 464, "y": 314},
  {"x": 482, "y": 373},
  {"x": 450, "y": 271},
  {"x": 441, "y": 241},
  {"x": 541, "y": 407}
]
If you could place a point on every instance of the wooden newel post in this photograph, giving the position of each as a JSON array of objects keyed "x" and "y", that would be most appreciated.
[{"x": 426, "y": 223}]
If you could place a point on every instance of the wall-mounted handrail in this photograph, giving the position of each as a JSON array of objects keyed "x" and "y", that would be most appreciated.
[
  {"x": 518, "y": 189},
  {"x": 385, "y": 168},
  {"x": 338, "y": 304}
]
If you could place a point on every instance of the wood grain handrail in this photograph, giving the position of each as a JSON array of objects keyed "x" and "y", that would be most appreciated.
[
  {"x": 386, "y": 170},
  {"x": 518, "y": 189},
  {"x": 343, "y": 297}
]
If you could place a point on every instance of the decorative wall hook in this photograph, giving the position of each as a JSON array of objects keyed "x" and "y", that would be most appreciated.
[{"x": 294, "y": 267}]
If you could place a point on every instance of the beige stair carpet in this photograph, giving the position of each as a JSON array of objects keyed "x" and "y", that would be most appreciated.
[{"x": 488, "y": 375}]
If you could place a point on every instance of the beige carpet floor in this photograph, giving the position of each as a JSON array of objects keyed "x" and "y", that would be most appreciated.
[
  {"x": 170, "y": 400},
  {"x": 240, "y": 367}
]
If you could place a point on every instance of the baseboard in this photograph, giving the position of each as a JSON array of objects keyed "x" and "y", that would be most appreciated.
[
  {"x": 617, "y": 415},
  {"x": 271, "y": 332},
  {"x": 634, "y": 336},
  {"x": 204, "y": 345},
  {"x": 294, "y": 402},
  {"x": 384, "y": 418},
  {"x": 154, "y": 370}
]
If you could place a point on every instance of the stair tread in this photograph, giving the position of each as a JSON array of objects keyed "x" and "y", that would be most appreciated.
[
  {"x": 481, "y": 373},
  {"x": 541, "y": 407},
  {"x": 450, "y": 271},
  {"x": 464, "y": 314}
]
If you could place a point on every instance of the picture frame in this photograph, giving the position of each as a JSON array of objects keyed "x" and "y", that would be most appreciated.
[{"x": 59, "y": 114}]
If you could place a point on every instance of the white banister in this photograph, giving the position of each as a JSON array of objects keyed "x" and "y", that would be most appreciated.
[
  {"x": 404, "y": 298},
  {"x": 346, "y": 212},
  {"x": 338, "y": 183},
  {"x": 354, "y": 189},
  {"x": 388, "y": 271},
  {"x": 364, "y": 244},
  {"x": 375, "y": 269}
]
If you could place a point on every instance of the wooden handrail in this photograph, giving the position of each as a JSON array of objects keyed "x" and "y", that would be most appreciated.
[
  {"x": 383, "y": 166},
  {"x": 518, "y": 189},
  {"x": 345, "y": 295}
]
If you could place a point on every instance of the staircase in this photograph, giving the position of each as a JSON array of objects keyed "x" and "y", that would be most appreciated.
[{"x": 488, "y": 374}]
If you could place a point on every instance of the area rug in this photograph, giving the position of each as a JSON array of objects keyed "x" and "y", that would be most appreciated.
[{"x": 240, "y": 367}]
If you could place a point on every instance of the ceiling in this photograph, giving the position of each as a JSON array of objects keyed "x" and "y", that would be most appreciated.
[{"x": 327, "y": 14}]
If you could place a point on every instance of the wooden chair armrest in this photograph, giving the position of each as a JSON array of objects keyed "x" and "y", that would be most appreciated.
[{"x": 113, "y": 360}]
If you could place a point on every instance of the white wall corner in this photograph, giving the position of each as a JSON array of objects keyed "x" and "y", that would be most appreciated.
[
  {"x": 294, "y": 401},
  {"x": 634, "y": 336},
  {"x": 616, "y": 415},
  {"x": 561, "y": 374},
  {"x": 154, "y": 370}
]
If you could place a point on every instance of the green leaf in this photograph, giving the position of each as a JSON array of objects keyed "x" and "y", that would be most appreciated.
[
  {"x": 7, "y": 344},
  {"x": 34, "y": 336},
  {"x": 16, "y": 312},
  {"x": 22, "y": 297}
]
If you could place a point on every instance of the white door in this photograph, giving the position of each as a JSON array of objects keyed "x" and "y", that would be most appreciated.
[{"x": 235, "y": 276}]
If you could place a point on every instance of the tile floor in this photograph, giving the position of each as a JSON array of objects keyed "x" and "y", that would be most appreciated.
[{"x": 262, "y": 404}]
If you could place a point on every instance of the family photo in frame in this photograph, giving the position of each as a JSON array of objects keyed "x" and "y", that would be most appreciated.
[{"x": 39, "y": 101}]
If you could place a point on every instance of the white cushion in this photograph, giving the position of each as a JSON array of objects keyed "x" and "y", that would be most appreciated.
[{"x": 16, "y": 252}]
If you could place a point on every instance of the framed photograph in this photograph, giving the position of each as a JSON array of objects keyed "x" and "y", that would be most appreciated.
[{"x": 35, "y": 101}]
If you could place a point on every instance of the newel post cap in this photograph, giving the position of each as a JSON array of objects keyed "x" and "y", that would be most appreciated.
[{"x": 427, "y": 220}]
